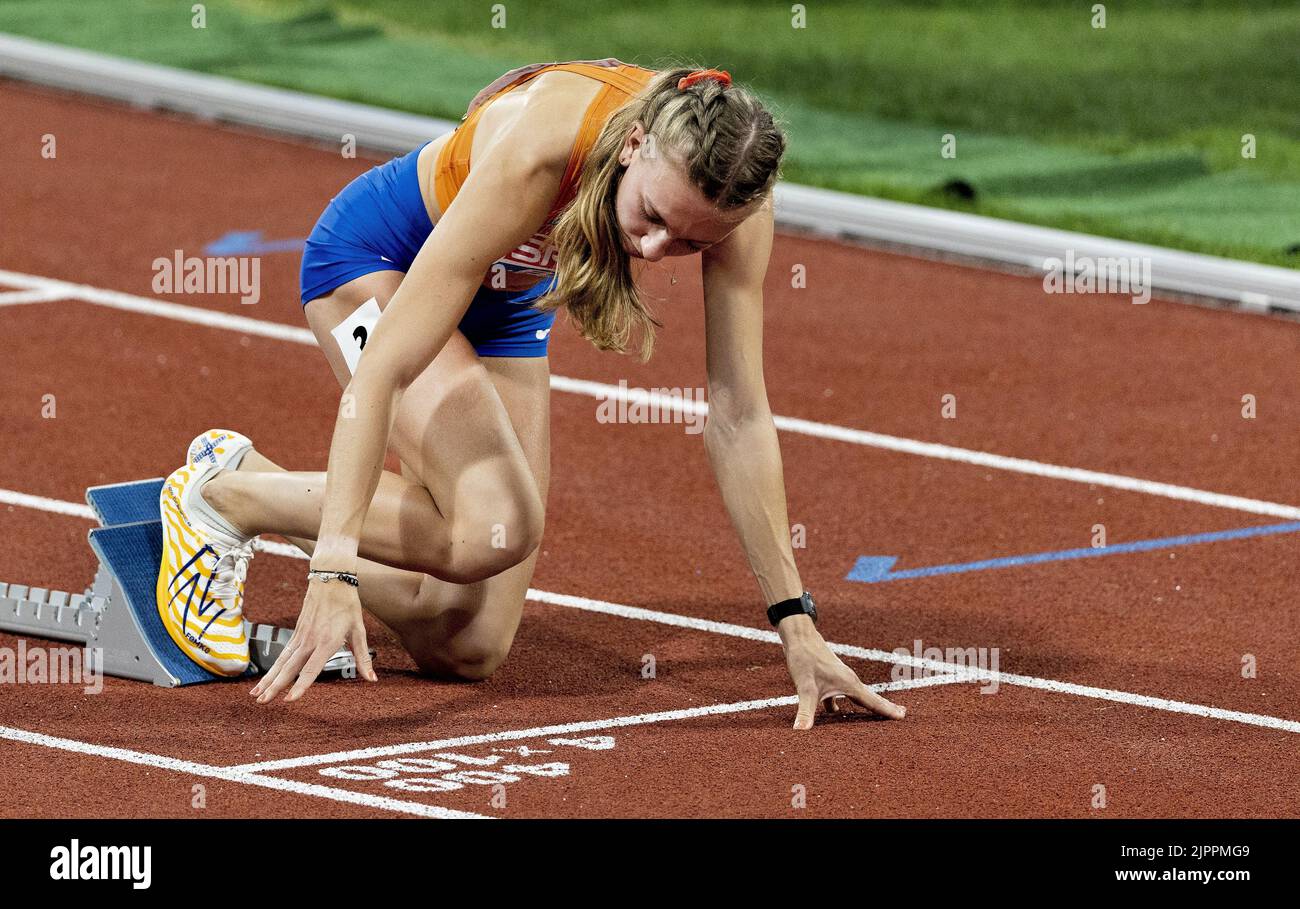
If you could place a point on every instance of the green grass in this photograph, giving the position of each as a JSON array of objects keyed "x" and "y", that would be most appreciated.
[
  {"x": 1161, "y": 71},
  {"x": 1133, "y": 130}
]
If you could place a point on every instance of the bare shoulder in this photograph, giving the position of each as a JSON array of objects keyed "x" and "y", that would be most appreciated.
[{"x": 541, "y": 118}]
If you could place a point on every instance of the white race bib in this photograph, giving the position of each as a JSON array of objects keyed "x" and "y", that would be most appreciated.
[{"x": 354, "y": 332}]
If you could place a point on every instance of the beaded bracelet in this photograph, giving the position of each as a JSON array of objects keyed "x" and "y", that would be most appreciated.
[{"x": 347, "y": 577}]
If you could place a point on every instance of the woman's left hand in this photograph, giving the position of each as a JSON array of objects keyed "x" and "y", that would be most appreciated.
[
  {"x": 820, "y": 676},
  {"x": 330, "y": 618}
]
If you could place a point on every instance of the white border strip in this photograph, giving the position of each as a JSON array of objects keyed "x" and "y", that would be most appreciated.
[
  {"x": 600, "y": 390},
  {"x": 820, "y": 210},
  {"x": 824, "y": 211},
  {"x": 213, "y": 97}
]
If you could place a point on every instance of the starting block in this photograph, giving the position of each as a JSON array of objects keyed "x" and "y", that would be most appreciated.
[{"x": 118, "y": 614}]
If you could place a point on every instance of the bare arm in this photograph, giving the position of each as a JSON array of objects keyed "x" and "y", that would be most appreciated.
[
  {"x": 742, "y": 445},
  {"x": 740, "y": 437},
  {"x": 506, "y": 197},
  {"x": 475, "y": 231}
]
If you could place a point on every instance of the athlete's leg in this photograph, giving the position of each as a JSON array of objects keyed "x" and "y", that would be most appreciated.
[
  {"x": 475, "y": 510},
  {"x": 385, "y": 591},
  {"x": 461, "y": 630},
  {"x": 450, "y": 629},
  {"x": 466, "y": 630}
]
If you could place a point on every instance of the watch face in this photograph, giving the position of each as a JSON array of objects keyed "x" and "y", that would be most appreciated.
[{"x": 809, "y": 606}]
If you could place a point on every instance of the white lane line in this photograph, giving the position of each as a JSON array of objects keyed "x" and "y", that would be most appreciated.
[
  {"x": 41, "y": 503},
  {"x": 207, "y": 771},
  {"x": 15, "y": 297},
  {"x": 148, "y": 306},
  {"x": 640, "y": 719},
  {"x": 671, "y": 404},
  {"x": 675, "y": 404},
  {"x": 883, "y": 656},
  {"x": 768, "y": 636},
  {"x": 1038, "y": 468}
]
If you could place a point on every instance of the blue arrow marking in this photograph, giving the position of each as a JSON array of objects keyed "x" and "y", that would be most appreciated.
[
  {"x": 249, "y": 242},
  {"x": 875, "y": 569}
]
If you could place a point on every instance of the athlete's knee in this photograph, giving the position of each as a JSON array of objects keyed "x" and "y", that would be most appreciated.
[
  {"x": 498, "y": 539},
  {"x": 520, "y": 533},
  {"x": 472, "y": 660},
  {"x": 477, "y": 661}
]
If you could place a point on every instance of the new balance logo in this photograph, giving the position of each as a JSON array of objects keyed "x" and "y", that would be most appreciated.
[{"x": 188, "y": 588}]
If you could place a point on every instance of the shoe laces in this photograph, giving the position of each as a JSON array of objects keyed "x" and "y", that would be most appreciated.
[{"x": 231, "y": 570}]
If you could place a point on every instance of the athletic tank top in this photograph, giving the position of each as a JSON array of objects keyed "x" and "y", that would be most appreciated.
[{"x": 621, "y": 82}]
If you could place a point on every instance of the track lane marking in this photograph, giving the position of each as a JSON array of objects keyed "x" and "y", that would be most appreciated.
[
  {"x": 640, "y": 719},
  {"x": 16, "y": 297},
  {"x": 44, "y": 503},
  {"x": 763, "y": 635},
  {"x": 275, "y": 330},
  {"x": 160, "y": 309},
  {"x": 879, "y": 569},
  {"x": 227, "y": 774},
  {"x": 882, "y": 656}
]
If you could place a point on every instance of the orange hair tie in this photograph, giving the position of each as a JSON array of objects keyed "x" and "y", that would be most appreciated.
[{"x": 721, "y": 75}]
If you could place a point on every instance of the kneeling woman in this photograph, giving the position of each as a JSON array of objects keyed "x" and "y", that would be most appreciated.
[{"x": 557, "y": 177}]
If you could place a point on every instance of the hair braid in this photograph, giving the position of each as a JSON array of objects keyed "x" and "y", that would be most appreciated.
[{"x": 730, "y": 148}]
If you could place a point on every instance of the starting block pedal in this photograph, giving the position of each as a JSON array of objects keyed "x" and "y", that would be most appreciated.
[{"x": 118, "y": 615}]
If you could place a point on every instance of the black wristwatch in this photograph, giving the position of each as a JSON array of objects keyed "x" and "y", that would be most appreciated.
[{"x": 803, "y": 605}]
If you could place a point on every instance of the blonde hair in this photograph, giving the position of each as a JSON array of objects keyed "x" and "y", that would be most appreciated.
[{"x": 730, "y": 148}]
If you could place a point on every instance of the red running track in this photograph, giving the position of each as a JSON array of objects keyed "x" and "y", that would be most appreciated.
[{"x": 873, "y": 342}]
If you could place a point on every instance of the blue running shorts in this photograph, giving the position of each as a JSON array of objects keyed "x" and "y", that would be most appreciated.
[{"x": 378, "y": 223}]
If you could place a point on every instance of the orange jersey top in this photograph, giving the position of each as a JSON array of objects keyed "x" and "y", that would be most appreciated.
[{"x": 622, "y": 81}]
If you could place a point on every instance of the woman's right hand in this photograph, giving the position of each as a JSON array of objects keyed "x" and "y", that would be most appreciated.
[{"x": 330, "y": 618}]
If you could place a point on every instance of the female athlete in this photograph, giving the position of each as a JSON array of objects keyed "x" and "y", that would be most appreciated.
[{"x": 557, "y": 177}]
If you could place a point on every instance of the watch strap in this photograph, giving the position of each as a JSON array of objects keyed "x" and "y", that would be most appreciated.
[{"x": 785, "y": 609}]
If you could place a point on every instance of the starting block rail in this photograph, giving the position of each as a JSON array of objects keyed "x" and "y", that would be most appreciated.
[{"x": 117, "y": 614}]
